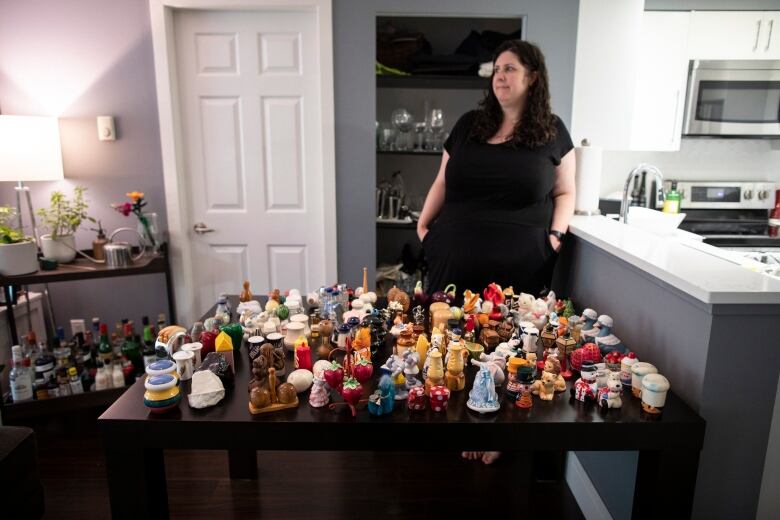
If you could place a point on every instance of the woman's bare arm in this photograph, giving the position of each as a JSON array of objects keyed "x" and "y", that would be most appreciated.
[
  {"x": 563, "y": 197},
  {"x": 434, "y": 200}
]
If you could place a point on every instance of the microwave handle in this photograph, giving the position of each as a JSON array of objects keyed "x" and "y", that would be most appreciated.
[
  {"x": 758, "y": 31},
  {"x": 769, "y": 38}
]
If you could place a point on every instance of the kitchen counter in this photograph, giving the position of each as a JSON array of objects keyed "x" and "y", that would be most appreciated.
[
  {"x": 688, "y": 308},
  {"x": 700, "y": 270}
]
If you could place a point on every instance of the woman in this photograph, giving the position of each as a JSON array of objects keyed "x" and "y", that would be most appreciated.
[{"x": 504, "y": 194}]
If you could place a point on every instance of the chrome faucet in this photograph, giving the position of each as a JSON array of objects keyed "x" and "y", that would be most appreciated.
[{"x": 659, "y": 182}]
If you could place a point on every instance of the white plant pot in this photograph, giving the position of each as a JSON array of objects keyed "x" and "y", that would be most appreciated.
[
  {"x": 20, "y": 258},
  {"x": 58, "y": 249}
]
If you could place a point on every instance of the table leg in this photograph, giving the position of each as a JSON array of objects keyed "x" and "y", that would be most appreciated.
[
  {"x": 548, "y": 465},
  {"x": 665, "y": 483},
  {"x": 136, "y": 482},
  {"x": 523, "y": 497},
  {"x": 243, "y": 464}
]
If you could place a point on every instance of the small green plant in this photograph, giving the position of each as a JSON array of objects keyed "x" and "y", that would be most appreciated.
[
  {"x": 8, "y": 234},
  {"x": 63, "y": 217}
]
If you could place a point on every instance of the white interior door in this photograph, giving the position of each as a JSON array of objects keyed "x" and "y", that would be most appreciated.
[{"x": 251, "y": 138}]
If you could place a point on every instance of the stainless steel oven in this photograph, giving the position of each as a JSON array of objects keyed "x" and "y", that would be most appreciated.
[
  {"x": 724, "y": 194},
  {"x": 733, "y": 98},
  {"x": 733, "y": 216}
]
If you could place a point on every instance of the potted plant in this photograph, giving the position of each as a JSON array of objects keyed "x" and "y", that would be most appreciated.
[
  {"x": 62, "y": 219},
  {"x": 18, "y": 253}
]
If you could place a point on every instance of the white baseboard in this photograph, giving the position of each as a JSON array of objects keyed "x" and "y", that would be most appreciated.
[{"x": 589, "y": 500}]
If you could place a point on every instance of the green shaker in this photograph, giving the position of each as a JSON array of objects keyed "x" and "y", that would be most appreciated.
[{"x": 236, "y": 333}]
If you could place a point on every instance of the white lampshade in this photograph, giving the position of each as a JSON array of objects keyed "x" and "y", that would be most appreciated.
[{"x": 30, "y": 149}]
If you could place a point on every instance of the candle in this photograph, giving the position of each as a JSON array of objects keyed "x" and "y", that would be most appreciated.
[{"x": 302, "y": 354}]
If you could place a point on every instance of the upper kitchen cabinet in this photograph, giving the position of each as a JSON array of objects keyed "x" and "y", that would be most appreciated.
[
  {"x": 734, "y": 35},
  {"x": 662, "y": 74},
  {"x": 605, "y": 70}
]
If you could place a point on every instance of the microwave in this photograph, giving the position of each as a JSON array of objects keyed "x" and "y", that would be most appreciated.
[{"x": 733, "y": 98}]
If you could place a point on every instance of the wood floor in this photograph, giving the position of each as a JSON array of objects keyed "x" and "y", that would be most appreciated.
[{"x": 294, "y": 484}]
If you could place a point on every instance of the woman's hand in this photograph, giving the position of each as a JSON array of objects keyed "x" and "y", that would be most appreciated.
[
  {"x": 421, "y": 232},
  {"x": 554, "y": 242}
]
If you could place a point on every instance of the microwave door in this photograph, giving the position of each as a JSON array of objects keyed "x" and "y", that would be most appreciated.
[{"x": 733, "y": 103}]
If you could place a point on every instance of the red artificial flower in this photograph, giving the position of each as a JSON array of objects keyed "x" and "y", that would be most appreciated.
[{"x": 124, "y": 208}]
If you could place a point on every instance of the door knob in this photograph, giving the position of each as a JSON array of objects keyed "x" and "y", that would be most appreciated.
[{"x": 201, "y": 228}]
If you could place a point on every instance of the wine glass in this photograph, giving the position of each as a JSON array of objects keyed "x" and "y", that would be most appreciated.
[
  {"x": 404, "y": 122},
  {"x": 437, "y": 119},
  {"x": 437, "y": 125}
]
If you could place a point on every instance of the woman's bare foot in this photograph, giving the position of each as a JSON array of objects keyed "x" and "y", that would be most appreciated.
[
  {"x": 489, "y": 457},
  {"x": 472, "y": 455}
]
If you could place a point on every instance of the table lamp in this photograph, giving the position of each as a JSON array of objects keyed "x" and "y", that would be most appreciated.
[{"x": 29, "y": 151}]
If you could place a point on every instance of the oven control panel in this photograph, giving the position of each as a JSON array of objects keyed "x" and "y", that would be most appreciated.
[{"x": 724, "y": 194}]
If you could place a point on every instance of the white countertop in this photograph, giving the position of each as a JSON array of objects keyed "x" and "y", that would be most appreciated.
[{"x": 700, "y": 270}]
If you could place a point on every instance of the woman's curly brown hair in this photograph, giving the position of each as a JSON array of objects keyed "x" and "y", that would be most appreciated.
[{"x": 537, "y": 124}]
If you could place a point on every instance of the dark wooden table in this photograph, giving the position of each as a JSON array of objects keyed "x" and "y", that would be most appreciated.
[{"x": 134, "y": 439}]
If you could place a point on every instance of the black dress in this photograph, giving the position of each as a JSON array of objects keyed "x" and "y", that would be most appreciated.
[{"x": 498, "y": 206}]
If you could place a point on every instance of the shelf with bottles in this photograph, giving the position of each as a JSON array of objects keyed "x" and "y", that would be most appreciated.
[
  {"x": 82, "y": 269},
  {"x": 91, "y": 369}
]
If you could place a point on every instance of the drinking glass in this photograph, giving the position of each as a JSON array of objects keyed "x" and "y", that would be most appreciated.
[
  {"x": 387, "y": 135},
  {"x": 437, "y": 119},
  {"x": 404, "y": 122},
  {"x": 437, "y": 125}
]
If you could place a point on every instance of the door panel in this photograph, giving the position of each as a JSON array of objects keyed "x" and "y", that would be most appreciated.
[
  {"x": 283, "y": 139},
  {"x": 222, "y": 164},
  {"x": 287, "y": 264},
  {"x": 280, "y": 53}
]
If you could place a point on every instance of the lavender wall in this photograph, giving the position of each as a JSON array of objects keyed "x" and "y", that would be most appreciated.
[{"x": 77, "y": 60}]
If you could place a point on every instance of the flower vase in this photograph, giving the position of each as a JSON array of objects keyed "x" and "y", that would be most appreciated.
[{"x": 150, "y": 232}]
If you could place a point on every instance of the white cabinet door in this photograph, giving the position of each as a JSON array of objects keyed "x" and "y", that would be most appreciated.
[
  {"x": 727, "y": 35},
  {"x": 769, "y": 46},
  {"x": 661, "y": 80},
  {"x": 605, "y": 72}
]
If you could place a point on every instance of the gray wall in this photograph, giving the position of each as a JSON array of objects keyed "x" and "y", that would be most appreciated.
[
  {"x": 550, "y": 24},
  {"x": 696, "y": 346},
  {"x": 77, "y": 60}
]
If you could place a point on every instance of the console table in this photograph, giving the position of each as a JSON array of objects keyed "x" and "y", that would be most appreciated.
[{"x": 79, "y": 269}]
